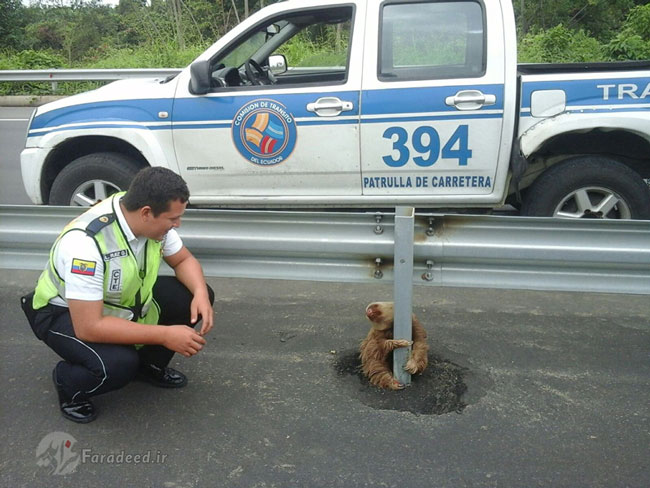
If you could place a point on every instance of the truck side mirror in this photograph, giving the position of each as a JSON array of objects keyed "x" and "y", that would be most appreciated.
[
  {"x": 200, "y": 77},
  {"x": 278, "y": 64}
]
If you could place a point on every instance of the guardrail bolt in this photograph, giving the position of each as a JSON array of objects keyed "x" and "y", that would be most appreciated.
[
  {"x": 428, "y": 275},
  {"x": 379, "y": 274},
  {"x": 430, "y": 229},
  {"x": 378, "y": 228}
]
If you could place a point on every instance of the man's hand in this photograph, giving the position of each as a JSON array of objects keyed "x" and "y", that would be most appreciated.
[
  {"x": 201, "y": 306},
  {"x": 183, "y": 340},
  {"x": 189, "y": 272}
]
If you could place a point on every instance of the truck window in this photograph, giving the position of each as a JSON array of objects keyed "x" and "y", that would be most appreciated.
[
  {"x": 431, "y": 40},
  {"x": 319, "y": 45},
  {"x": 315, "y": 45}
]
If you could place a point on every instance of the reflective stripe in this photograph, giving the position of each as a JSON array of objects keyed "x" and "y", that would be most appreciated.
[
  {"x": 146, "y": 307},
  {"x": 108, "y": 240},
  {"x": 123, "y": 313},
  {"x": 95, "y": 353},
  {"x": 56, "y": 281}
]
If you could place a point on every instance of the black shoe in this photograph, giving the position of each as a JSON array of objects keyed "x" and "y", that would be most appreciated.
[
  {"x": 81, "y": 412},
  {"x": 163, "y": 377}
]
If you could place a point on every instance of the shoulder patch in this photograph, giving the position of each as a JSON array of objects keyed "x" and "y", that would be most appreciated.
[
  {"x": 99, "y": 223},
  {"x": 83, "y": 267}
]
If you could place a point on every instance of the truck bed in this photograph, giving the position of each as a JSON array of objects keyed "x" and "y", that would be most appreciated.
[{"x": 549, "y": 68}]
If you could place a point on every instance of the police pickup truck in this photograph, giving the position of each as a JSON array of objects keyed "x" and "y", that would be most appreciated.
[{"x": 362, "y": 103}]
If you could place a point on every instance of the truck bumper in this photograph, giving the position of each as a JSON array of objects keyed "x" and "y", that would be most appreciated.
[{"x": 31, "y": 163}]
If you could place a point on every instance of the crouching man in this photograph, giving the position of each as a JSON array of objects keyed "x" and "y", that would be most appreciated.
[{"x": 100, "y": 305}]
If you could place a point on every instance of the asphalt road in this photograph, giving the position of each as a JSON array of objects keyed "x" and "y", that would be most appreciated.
[
  {"x": 556, "y": 388},
  {"x": 13, "y": 127},
  {"x": 558, "y": 395}
]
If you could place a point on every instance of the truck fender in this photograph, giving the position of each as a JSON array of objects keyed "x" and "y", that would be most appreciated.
[
  {"x": 143, "y": 139},
  {"x": 533, "y": 138}
]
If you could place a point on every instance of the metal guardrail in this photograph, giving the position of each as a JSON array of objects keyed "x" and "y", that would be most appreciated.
[
  {"x": 54, "y": 75},
  {"x": 448, "y": 250}
]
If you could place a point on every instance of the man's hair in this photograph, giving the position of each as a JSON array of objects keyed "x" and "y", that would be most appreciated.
[{"x": 155, "y": 187}]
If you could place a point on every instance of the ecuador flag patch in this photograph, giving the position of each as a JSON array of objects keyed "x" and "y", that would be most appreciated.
[{"x": 79, "y": 266}]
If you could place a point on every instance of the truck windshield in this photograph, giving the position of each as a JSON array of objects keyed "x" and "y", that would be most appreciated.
[{"x": 245, "y": 50}]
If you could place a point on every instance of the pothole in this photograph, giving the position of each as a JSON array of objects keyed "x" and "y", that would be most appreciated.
[{"x": 439, "y": 390}]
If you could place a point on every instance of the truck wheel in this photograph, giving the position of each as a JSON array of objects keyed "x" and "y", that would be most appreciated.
[
  {"x": 92, "y": 178},
  {"x": 588, "y": 188}
]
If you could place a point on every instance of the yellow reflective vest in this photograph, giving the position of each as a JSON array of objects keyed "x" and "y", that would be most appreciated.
[{"x": 128, "y": 290}]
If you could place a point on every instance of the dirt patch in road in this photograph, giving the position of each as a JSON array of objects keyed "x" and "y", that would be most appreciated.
[{"x": 437, "y": 391}]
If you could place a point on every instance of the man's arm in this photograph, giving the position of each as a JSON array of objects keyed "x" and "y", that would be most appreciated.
[
  {"x": 189, "y": 272},
  {"x": 91, "y": 325}
]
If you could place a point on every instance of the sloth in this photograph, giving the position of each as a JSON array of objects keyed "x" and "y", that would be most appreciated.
[{"x": 377, "y": 348}]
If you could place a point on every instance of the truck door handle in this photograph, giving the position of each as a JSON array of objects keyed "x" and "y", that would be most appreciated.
[
  {"x": 329, "y": 106},
  {"x": 470, "y": 100}
]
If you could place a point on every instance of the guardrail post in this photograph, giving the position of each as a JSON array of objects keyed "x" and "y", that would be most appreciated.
[{"x": 403, "y": 288}]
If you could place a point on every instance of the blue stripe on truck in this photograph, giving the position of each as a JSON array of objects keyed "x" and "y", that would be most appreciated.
[
  {"x": 598, "y": 92},
  {"x": 377, "y": 106}
]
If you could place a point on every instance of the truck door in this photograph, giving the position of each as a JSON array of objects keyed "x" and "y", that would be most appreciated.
[
  {"x": 432, "y": 120},
  {"x": 281, "y": 119}
]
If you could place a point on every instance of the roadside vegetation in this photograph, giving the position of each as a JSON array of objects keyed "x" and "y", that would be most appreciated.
[{"x": 48, "y": 34}]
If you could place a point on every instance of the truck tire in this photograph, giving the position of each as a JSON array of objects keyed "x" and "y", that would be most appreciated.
[
  {"x": 588, "y": 187},
  {"x": 92, "y": 178}
]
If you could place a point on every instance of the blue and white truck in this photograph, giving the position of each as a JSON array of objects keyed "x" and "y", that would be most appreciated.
[{"x": 362, "y": 103}]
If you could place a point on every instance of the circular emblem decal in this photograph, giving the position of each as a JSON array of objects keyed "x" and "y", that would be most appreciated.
[{"x": 264, "y": 132}]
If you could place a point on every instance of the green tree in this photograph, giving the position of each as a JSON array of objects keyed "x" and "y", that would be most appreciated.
[
  {"x": 560, "y": 45},
  {"x": 633, "y": 40},
  {"x": 10, "y": 15},
  {"x": 600, "y": 18},
  {"x": 170, "y": 33}
]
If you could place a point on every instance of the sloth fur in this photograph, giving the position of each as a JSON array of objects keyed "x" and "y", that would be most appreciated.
[{"x": 376, "y": 349}]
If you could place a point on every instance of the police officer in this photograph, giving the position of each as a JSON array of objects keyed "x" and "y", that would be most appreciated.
[{"x": 100, "y": 305}]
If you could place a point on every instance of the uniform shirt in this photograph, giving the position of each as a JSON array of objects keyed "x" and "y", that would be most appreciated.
[{"x": 78, "y": 245}]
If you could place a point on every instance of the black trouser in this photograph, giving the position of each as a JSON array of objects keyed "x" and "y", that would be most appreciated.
[{"x": 89, "y": 368}]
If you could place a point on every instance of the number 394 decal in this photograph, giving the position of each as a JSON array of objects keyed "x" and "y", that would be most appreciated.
[{"x": 426, "y": 142}]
